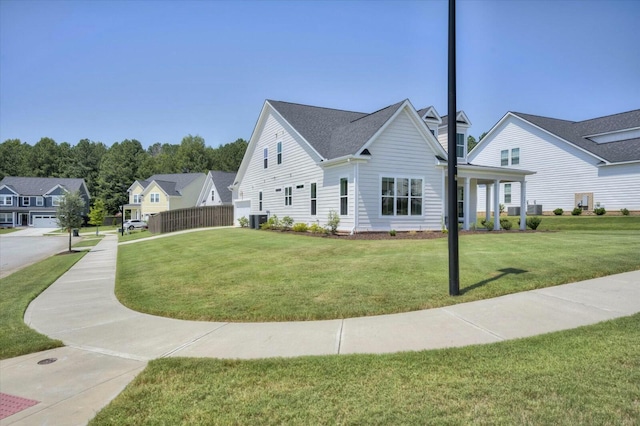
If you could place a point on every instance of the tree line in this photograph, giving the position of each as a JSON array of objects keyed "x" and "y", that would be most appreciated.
[{"x": 109, "y": 171}]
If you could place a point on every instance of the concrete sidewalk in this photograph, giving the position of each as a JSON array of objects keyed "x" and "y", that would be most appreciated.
[{"x": 114, "y": 343}]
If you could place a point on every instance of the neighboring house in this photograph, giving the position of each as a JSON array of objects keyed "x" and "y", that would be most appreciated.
[
  {"x": 578, "y": 164},
  {"x": 380, "y": 171},
  {"x": 33, "y": 201},
  {"x": 164, "y": 192},
  {"x": 215, "y": 191}
]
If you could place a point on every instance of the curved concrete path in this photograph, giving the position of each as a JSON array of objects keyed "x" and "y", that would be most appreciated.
[{"x": 108, "y": 344}]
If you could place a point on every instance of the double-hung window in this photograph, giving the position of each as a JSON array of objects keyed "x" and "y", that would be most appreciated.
[
  {"x": 39, "y": 201},
  {"x": 504, "y": 157},
  {"x": 6, "y": 200},
  {"x": 136, "y": 198},
  {"x": 279, "y": 152},
  {"x": 507, "y": 193},
  {"x": 401, "y": 196},
  {"x": 288, "y": 197},
  {"x": 314, "y": 199},
  {"x": 515, "y": 156},
  {"x": 154, "y": 197},
  {"x": 265, "y": 157},
  {"x": 55, "y": 200},
  {"x": 460, "y": 145},
  {"x": 26, "y": 201},
  {"x": 260, "y": 201},
  {"x": 344, "y": 196}
]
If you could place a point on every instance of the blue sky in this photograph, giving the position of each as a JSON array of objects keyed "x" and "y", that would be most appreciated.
[{"x": 157, "y": 71}]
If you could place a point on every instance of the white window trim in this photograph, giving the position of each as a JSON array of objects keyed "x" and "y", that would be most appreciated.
[
  {"x": 288, "y": 196},
  {"x": 511, "y": 158},
  {"x": 155, "y": 195},
  {"x": 340, "y": 196},
  {"x": 55, "y": 200},
  {"x": 4, "y": 199},
  {"x": 395, "y": 215},
  {"x": 5, "y": 215},
  {"x": 39, "y": 201},
  {"x": 28, "y": 201}
]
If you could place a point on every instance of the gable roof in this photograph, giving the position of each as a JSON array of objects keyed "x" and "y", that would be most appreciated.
[
  {"x": 38, "y": 186},
  {"x": 461, "y": 118},
  {"x": 334, "y": 133},
  {"x": 223, "y": 180},
  {"x": 578, "y": 132},
  {"x": 172, "y": 184}
]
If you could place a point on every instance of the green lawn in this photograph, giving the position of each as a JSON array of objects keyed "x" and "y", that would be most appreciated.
[
  {"x": 589, "y": 375},
  {"x": 248, "y": 275},
  {"x": 18, "y": 290},
  {"x": 7, "y": 230},
  {"x": 89, "y": 241}
]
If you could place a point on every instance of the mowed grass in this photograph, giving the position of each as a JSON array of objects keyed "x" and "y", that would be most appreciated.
[
  {"x": 18, "y": 290},
  {"x": 248, "y": 275},
  {"x": 589, "y": 375}
]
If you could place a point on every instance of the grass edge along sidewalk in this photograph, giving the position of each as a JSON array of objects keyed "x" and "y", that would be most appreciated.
[
  {"x": 588, "y": 375},
  {"x": 18, "y": 290}
]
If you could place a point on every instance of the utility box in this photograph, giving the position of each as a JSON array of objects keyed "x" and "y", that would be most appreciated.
[
  {"x": 534, "y": 209},
  {"x": 255, "y": 220},
  {"x": 513, "y": 211}
]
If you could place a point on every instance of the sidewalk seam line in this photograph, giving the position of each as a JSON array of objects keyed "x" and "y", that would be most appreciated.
[
  {"x": 187, "y": 344},
  {"x": 564, "y": 299},
  {"x": 340, "y": 337},
  {"x": 474, "y": 325}
]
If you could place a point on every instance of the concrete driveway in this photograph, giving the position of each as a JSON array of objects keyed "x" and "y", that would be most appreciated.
[{"x": 21, "y": 248}]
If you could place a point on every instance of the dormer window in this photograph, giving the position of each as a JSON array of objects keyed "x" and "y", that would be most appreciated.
[{"x": 460, "y": 148}]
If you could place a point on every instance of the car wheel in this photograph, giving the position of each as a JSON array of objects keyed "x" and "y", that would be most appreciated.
[{"x": 131, "y": 227}]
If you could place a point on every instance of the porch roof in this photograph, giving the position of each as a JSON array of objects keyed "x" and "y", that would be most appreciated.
[{"x": 489, "y": 174}]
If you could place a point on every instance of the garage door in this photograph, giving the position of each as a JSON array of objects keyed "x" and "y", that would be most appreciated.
[
  {"x": 241, "y": 209},
  {"x": 44, "y": 221}
]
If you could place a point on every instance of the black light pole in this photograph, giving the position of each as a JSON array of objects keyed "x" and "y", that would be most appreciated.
[{"x": 452, "y": 178}]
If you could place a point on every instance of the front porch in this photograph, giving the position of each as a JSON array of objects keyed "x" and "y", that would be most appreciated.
[{"x": 471, "y": 177}]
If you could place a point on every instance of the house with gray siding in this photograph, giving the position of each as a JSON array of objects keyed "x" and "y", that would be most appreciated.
[
  {"x": 582, "y": 164},
  {"x": 378, "y": 171},
  {"x": 33, "y": 201}
]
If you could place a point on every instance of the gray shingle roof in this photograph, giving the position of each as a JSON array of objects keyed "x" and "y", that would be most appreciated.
[
  {"x": 173, "y": 183},
  {"x": 223, "y": 180},
  {"x": 40, "y": 186},
  {"x": 576, "y": 132},
  {"x": 334, "y": 133}
]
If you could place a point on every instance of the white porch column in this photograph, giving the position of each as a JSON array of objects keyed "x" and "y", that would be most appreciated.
[
  {"x": 465, "y": 203},
  {"x": 496, "y": 205},
  {"x": 487, "y": 202},
  {"x": 523, "y": 205}
]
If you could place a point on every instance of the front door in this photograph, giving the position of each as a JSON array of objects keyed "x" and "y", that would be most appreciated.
[{"x": 23, "y": 219}]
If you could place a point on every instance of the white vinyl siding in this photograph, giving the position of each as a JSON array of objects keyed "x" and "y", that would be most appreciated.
[
  {"x": 562, "y": 170},
  {"x": 344, "y": 196}
]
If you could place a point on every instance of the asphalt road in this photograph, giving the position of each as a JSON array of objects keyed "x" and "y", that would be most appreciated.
[{"x": 18, "y": 250}]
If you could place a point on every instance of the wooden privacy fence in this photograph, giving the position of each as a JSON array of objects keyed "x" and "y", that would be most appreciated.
[{"x": 193, "y": 217}]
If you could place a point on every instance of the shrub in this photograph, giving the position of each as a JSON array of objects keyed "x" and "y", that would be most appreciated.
[
  {"x": 265, "y": 225},
  {"x": 300, "y": 227},
  {"x": 625, "y": 211},
  {"x": 576, "y": 211},
  {"x": 533, "y": 222},
  {"x": 317, "y": 229},
  {"x": 599, "y": 211},
  {"x": 558, "y": 212},
  {"x": 488, "y": 224},
  {"x": 501, "y": 208},
  {"x": 392, "y": 232},
  {"x": 505, "y": 224},
  {"x": 274, "y": 222},
  {"x": 333, "y": 222},
  {"x": 286, "y": 223},
  {"x": 243, "y": 221}
]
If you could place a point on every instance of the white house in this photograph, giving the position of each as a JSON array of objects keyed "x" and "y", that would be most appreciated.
[
  {"x": 215, "y": 191},
  {"x": 379, "y": 171},
  {"x": 577, "y": 164}
]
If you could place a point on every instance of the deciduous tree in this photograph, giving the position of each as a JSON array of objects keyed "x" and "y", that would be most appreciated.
[{"x": 69, "y": 212}]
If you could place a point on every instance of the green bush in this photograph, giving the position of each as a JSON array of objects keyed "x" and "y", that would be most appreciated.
[
  {"x": 501, "y": 208},
  {"x": 599, "y": 211},
  {"x": 533, "y": 222},
  {"x": 558, "y": 212},
  {"x": 488, "y": 224},
  {"x": 244, "y": 222},
  {"x": 625, "y": 211},
  {"x": 333, "y": 222},
  {"x": 317, "y": 229},
  {"x": 274, "y": 222},
  {"x": 392, "y": 232},
  {"x": 505, "y": 224},
  {"x": 576, "y": 211},
  {"x": 300, "y": 227},
  {"x": 265, "y": 225},
  {"x": 286, "y": 223}
]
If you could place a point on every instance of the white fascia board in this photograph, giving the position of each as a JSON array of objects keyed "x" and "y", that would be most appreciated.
[
  {"x": 345, "y": 159},
  {"x": 54, "y": 188},
  {"x": 146, "y": 190},
  {"x": 463, "y": 117},
  {"x": 437, "y": 119},
  {"x": 481, "y": 143},
  {"x": 618, "y": 163},
  {"x": 420, "y": 125},
  {"x": 613, "y": 132},
  {"x": 10, "y": 189}
]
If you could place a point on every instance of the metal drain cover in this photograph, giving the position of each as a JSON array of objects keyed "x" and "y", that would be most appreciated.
[{"x": 47, "y": 361}]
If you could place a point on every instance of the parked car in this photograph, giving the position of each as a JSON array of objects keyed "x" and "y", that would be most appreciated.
[{"x": 135, "y": 224}]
